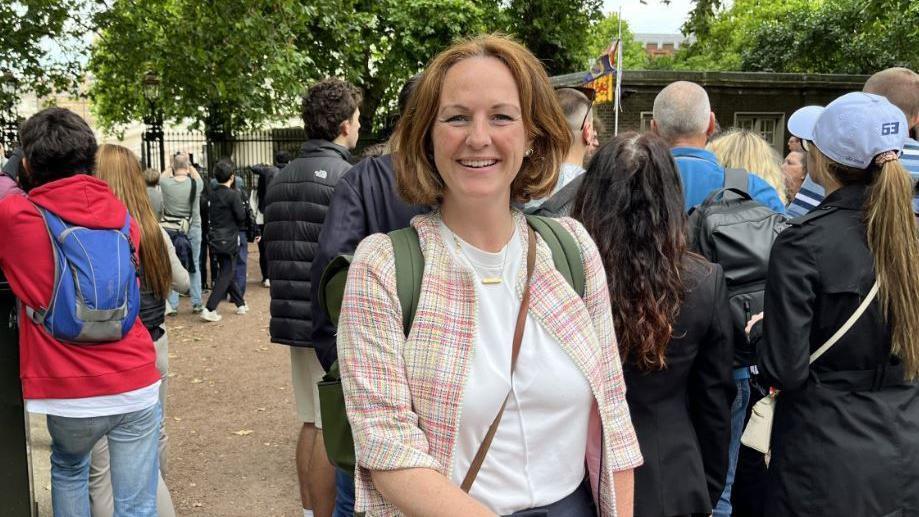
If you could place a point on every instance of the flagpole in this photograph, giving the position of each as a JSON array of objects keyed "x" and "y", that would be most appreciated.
[{"x": 618, "y": 73}]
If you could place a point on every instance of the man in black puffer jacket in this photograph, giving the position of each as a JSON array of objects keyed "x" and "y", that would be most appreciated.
[{"x": 295, "y": 207}]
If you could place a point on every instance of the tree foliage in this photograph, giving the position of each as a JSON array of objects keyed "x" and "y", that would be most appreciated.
[
  {"x": 236, "y": 64},
  {"x": 42, "y": 43},
  {"x": 604, "y": 31},
  {"x": 383, "y": 43},
  {"x": 823, "y": 36},
  {"x": 843, "y": 36},
  {"x": 554, "y": 30},
  {"x": 224, "y": 65}
]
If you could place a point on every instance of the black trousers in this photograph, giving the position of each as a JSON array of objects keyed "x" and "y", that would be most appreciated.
[
  {"x": 577, "y": 504},
  {"x": 226, "y": 270}
]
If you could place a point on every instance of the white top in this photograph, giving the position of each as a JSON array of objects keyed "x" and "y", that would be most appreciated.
[
  {"x": 566, "y": 173},
  {"x": 253, "y": 202},
  {"x": 537, "y": 456},
  {"x": 103, "y": 405}
]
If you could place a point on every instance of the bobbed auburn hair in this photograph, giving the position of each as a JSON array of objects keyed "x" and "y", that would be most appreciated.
[{"x": 417, "y": 177}]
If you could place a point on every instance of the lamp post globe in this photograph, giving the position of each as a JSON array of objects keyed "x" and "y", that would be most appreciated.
[
  {"x": 151, "y": 87},
  {"x": 153, "y": 119}
]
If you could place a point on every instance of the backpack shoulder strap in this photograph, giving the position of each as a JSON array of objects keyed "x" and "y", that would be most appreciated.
[
  {"x": 193, "y": 191},
  {"x": 565, "y": 251},
  {"x": 409, "y": 269},
  {"x": 38, "y": 315},
  {"x": 736, "y": 179},
  {"x": 331, "y": 285},
  {"x": 556, "y": 204}
]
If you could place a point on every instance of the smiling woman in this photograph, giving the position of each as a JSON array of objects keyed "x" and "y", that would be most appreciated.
[{"x": 496, "y": 402}]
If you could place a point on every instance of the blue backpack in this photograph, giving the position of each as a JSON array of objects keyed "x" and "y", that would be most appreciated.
[{"x": 96, "y": 294}]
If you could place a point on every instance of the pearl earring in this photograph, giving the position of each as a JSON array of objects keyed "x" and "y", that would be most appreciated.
[{"x": 528, "y": 152}]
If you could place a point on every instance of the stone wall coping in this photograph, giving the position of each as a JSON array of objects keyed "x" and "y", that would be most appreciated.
[{"x": 729, "y": 79}]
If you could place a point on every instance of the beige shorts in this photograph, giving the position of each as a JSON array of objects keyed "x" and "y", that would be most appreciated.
[{"x": 306, "y": 372}]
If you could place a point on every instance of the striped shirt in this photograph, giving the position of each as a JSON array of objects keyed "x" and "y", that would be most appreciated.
[{"x": 812, "y": 194}]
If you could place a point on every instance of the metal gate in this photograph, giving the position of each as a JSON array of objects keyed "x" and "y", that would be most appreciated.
[{"x": 245, "y": 149}]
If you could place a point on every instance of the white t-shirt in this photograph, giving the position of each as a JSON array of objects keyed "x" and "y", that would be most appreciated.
[
  {"x": 537, "y": 456},
  {"x": 103, "y": 405},
  {"x": 566, "y": 174}
]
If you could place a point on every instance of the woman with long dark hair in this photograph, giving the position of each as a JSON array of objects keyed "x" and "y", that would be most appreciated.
[
  {"x": 672, "y": 320},
  {"x": 160, "y": 271},
  {"x": 845, "y": 438}
]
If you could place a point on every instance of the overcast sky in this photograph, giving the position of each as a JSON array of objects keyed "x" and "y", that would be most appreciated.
[{"x": 653, "y": 17}]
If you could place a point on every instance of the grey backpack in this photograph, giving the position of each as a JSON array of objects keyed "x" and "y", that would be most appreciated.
[{"x": 732, "y": 229}]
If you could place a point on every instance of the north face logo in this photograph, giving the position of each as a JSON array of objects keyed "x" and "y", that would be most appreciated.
[{"x": 321, "y": 174}]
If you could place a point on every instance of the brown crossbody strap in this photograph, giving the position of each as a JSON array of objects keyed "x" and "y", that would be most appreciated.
[{"x": 515, "y": 351}]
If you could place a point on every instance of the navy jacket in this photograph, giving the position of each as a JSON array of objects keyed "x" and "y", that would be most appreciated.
[{"x": 366, "y": 201}]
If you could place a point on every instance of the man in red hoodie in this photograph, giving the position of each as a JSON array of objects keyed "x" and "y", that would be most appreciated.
[{"x": 87, "y": 391}]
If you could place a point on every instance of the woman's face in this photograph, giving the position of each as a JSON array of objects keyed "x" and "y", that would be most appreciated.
[{"x": 478, "y": 135}]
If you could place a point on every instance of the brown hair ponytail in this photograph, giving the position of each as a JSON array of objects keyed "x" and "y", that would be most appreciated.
[{"x": 894, "y": 241}]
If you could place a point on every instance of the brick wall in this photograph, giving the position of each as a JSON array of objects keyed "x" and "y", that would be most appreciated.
[{"x": 730, "y": 93}]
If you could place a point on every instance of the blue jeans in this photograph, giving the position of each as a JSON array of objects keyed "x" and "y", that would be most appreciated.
[
  {"x": 194, "y": 291},
  {"x": 344, "y": 494},
  {"x": 738, "y": 414},
  {"x": 241, "y": 259},
  {"x": 133, "y": 439}
]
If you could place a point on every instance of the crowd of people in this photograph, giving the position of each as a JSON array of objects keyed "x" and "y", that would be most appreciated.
[{"x": 613, "y": 369}]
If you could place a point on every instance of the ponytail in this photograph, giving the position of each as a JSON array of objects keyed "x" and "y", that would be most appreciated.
[{"x": 894, "y": 242}]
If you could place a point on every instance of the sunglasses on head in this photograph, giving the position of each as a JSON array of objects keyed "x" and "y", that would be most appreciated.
[{"x": 591, "y": 95}]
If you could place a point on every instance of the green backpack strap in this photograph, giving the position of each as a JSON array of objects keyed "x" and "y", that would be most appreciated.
[
  {"x": 566, "y": 254},
  {"x": 332, "y": 286},
  {"x": 409, "y": 268}
]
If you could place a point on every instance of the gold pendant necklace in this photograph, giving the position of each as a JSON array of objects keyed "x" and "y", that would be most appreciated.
[{"x": 486, "y": 280}]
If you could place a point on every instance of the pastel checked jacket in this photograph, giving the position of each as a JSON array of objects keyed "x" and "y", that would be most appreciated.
[{"x": 404, "y": 396}]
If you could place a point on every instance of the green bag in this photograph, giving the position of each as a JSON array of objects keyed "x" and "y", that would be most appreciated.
[{"x": 336, "y": 430}]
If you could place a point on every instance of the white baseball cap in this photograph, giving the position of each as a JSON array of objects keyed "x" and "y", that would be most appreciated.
[{"x": 852, "y": 129}]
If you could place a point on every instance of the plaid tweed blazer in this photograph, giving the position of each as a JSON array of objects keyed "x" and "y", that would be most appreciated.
[{"x": 404, "y": 396}]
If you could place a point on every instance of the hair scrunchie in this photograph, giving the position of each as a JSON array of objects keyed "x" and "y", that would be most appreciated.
[{"x": 885, "y": 157}]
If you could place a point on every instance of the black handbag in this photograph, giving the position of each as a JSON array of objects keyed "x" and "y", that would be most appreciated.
[{"x": 223, "y": 243}]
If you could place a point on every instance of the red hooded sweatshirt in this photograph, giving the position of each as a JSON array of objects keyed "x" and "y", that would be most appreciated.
[{"x": 50, "y": 369}]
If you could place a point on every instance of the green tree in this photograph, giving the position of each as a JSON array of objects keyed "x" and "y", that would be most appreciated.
[
  {"x": 223, "y": 65},
  {"x": 727, "y": 34},
  {"x": 42, "y": 43},
  {"x": 383, "y": 43},
  {"x": 603, "y": 32},
  {"x": 839, "y": 36},
  {"x": 237, "y": 64},
  {"x": 554, "y": 30},
  {"x": 843, "y": 36}
]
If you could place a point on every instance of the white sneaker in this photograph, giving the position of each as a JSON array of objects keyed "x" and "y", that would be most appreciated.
[
  {"x": 242, "y": 309},
  {"x": 207, "y": 315},
  {"x": 266, "y": 283}
]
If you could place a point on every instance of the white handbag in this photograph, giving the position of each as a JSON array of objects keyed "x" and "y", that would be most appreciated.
[{"x": 758, "y": 432}]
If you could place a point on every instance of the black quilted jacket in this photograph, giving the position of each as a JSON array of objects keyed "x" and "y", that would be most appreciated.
[{"x": 295, "y": 207}]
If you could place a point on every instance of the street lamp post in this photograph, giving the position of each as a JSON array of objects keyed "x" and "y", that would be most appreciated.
[
  {"x": 9, "y": 92},
  {"x": 153, "y": 119}
]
